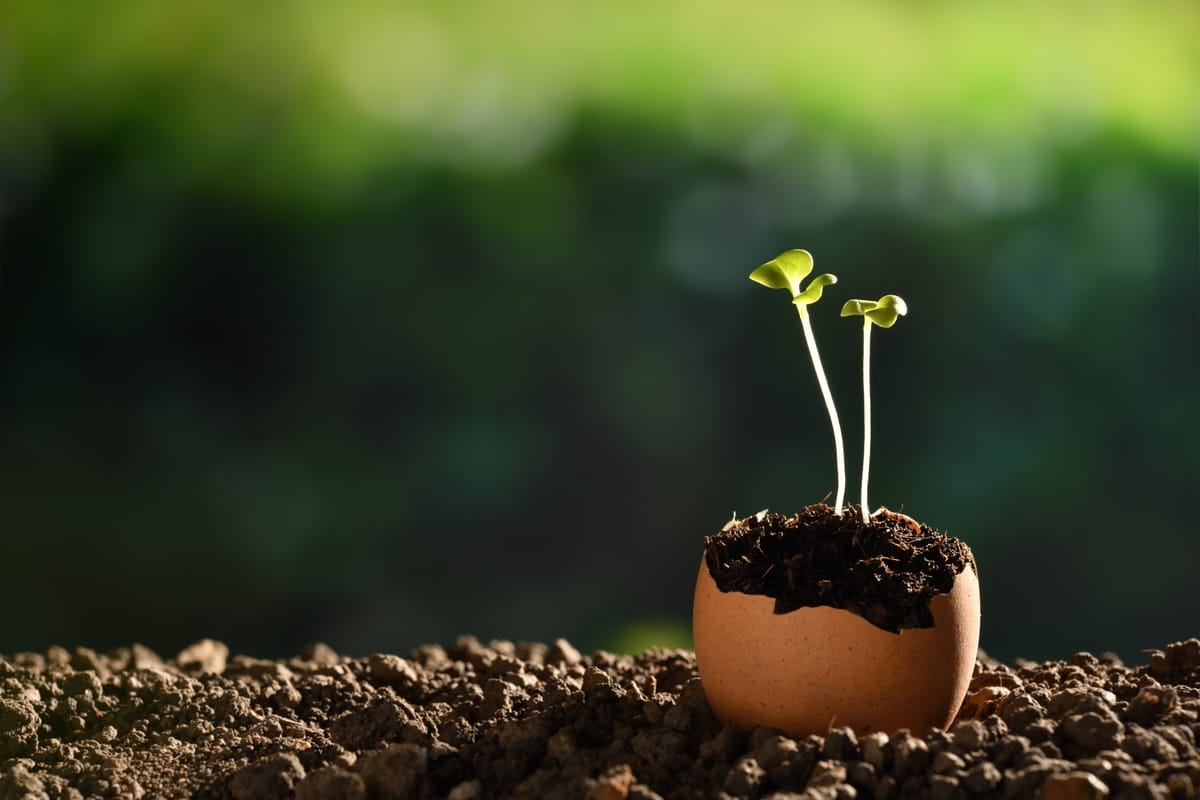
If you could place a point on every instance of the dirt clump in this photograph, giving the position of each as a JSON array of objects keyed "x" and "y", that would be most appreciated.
[{"x": 471, "y": 721}]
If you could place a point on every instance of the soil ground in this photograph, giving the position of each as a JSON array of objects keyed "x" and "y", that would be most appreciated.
[{"x": 543, "y": 721}]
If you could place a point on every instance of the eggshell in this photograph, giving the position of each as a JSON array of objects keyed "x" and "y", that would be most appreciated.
[{"x": 815, "y": 668}]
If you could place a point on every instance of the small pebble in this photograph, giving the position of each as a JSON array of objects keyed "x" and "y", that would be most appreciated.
[{"x": 1074, "y": 786}]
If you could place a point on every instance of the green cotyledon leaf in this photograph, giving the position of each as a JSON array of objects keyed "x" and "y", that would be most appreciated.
[
  {"x": 785, "y": 271},
  {"x": 883, "y": 312},
  {"x": 813, "y": 293}
]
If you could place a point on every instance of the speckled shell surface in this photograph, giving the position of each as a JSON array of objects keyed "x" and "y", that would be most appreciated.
[{"x": 815, "y": 668}]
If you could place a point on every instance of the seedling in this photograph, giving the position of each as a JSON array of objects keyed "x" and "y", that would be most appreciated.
[
  {"x": 787, "y": 271},
  {"x": 882, "y": 312}
]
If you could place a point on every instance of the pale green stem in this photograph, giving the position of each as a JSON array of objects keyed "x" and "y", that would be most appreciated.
[
  {"x": 866, "y": 511},
  {"x": 833, "y": 415}
]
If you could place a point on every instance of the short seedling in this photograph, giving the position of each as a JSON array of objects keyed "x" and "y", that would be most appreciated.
[
  {"x": 787, "y": 271},
  {"x": 882, "y": 312}
]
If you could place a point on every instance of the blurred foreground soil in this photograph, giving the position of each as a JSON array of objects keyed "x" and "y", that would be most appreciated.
[{"x": 544, "y": 721}]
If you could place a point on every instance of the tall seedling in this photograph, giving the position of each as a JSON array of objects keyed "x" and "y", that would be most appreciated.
[{"x": 787, "y": 271}]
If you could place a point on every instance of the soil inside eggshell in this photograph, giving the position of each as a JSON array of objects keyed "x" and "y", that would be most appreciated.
[{"x": 886, "y": 571}]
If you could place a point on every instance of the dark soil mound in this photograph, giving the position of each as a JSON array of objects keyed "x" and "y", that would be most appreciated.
[
  {"x": 537, "y": 721},
  {"x": 887, "y": 571}
]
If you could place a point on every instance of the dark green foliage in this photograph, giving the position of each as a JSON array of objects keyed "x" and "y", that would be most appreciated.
[{"x": 513, "y": 401}]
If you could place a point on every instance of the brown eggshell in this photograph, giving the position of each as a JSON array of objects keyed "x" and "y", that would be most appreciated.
[{"x": 815, "y": 668}]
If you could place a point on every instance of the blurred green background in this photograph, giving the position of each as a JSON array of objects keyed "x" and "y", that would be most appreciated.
[{"x": 379, "y": 323}]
